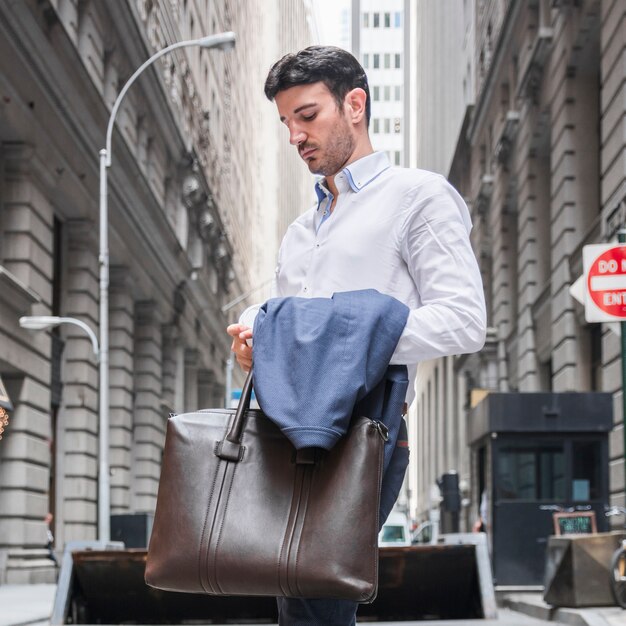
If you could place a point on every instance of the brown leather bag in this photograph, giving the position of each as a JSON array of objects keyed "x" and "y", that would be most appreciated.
[{"x": 240, "y": 511}]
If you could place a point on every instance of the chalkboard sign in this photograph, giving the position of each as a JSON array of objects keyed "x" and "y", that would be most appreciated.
[{"x": 577, "y": 523}]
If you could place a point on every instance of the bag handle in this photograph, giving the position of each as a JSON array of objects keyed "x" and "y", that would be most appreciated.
[{"x": 230, "y": 447}]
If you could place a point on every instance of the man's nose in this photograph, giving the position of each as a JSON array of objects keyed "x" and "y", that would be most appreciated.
[{"x": 296, "y": 136}]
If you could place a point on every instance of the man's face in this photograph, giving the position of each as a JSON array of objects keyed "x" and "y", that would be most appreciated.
[{"x": 317, "y": 127}]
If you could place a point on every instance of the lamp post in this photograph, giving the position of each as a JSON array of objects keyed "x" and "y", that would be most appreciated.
[
  {"x": 221, "y": 41},
  {"x": 229, "y": 361}
]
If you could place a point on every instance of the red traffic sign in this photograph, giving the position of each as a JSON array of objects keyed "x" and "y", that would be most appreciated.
[{"x": 605, "y": 277}]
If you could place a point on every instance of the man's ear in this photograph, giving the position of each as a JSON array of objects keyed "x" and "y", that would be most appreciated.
[{"x": 355, "y": 101}]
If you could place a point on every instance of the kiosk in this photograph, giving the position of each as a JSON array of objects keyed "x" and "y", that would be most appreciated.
[{"x": 531, "y": 451}]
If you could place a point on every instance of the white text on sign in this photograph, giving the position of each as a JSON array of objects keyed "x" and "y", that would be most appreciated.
[{"x": 611, "y": 266}]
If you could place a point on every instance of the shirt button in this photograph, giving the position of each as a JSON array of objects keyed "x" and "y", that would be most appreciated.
[
  {"x": 317, "y": 245},
  {"x": 305, "y": 289}
]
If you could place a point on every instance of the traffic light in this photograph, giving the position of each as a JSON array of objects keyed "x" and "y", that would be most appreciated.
[{"x": 450, "y": 493}]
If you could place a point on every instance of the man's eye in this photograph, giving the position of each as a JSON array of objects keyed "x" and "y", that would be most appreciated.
[{"x": 308, "y": 118}]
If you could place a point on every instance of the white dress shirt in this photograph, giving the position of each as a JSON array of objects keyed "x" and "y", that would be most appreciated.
[{"x": 403, "y": 232}]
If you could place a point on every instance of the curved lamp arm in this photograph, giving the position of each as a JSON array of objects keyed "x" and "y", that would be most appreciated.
[
  {"x": 223, "y": 41},
  {"x": 41, "y": 322}
]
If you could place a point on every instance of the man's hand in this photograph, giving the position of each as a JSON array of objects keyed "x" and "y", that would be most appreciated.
[{"x": 241, "y": 350}]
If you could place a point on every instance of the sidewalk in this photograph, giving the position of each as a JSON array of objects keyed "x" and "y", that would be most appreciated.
[
  {"x": 30, "y": 605},
  {"x": 26, "y": 604},
  {"x": 532, "y": 604}
]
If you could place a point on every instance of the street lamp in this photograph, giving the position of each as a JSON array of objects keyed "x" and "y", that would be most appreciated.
[
  {"x": 221, "y": 41},
  {"x": 41, "y": 322}
]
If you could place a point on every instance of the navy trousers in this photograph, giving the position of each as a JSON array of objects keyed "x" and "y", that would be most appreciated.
[{"x": 319, "y": 612}]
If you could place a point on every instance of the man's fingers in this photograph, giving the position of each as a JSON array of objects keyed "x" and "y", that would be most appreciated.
[
  {"x": 246, "y": 334},
  {"x": 234, "y": 329},
  {"x": 239, "y": 347},
  {"x": 245, "y": 363},
  {"x": 244, "y": 351}
]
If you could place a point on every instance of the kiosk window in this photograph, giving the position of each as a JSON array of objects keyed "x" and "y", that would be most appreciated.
[
  {"x": 586, "y": 470},
  {"x": 531, "y": 473}
]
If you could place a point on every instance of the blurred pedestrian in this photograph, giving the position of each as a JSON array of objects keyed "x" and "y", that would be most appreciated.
[
  {"x": 480, "y": 525},
  {"x": 50, "y": 539}
]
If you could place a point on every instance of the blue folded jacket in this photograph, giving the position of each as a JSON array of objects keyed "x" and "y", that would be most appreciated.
[{"x": 315, "y": 358}]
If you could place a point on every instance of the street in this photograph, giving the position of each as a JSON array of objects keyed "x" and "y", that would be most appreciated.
[{"x": 32, "y": 605}]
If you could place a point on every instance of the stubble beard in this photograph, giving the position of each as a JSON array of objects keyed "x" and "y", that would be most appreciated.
[{"x": 335, "y": 155}]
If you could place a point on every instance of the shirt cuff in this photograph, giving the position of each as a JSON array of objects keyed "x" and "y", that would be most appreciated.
[{"x": 248, "y": 316}]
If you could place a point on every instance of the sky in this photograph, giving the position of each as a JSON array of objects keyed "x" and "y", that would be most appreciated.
[{"x": 328, "y": 18}]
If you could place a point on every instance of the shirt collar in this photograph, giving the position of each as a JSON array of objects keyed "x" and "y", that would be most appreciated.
[{"x": 356, "y": 175}]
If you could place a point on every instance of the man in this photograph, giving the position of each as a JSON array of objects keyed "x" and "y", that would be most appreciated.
[{"x": 402, "y": 232}]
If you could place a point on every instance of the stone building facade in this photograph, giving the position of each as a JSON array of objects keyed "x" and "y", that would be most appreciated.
[
  {"x": 444, "y": 35},
  {"x": 188, "y": 186},
  {"x": 445, "y": 79},
  {"x": 541, "y": 162}
]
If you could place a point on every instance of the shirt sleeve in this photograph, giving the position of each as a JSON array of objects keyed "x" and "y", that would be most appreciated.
[
  {"x": 249, "y": 315},
  {"x": 436, "y": 247}
]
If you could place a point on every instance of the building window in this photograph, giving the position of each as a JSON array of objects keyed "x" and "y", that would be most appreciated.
[
  {"x": 387, "y": 93},
  {"x": 366, "y": 20},
  {"x": 531, "y": 473},
  {"x": 387, "y": 125},
  {"x": 376, "y": 94},
  {"x": 387, "y": 59},
  {"x": 376, "y": 61},
  {"x": 387, "y": 20},
  {"x": 376, "y": 20},
  {"x": 397, "y": 62},
  {"x": 366, "y": 60},
  {"x": 376, "y": 123},
  {"x": 396, "y": 157},
  {"x": 397, "y": 19},
  {"x": 397, "y": 93}
]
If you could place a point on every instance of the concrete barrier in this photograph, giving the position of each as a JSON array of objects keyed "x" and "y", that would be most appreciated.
[
  {"x": 577, "y": 569},
  {"x": 103, "y": 584}
]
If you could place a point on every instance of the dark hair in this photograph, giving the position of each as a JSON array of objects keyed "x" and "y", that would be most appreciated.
[{"x": 334, "y": 67}]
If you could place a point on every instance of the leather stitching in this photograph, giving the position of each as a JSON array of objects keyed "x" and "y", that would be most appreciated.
[
  {"x": 283, "y": 561},
  {"x": 291, "y": 580},
  {"x": 309, "y": 475},
  {"x": 204, "y": 527},
  {"x": 225, "y": 506},
  {"x": 224, "y": 511},
  {"x": 211, "y": 543}
]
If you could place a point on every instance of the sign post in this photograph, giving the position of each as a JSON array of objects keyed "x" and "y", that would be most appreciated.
[
  {"x": 621, "y": 237},
  {"x": 605, "y": 297}
]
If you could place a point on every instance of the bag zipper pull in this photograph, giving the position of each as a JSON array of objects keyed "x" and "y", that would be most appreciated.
[{"x": 383, "y": 431}]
